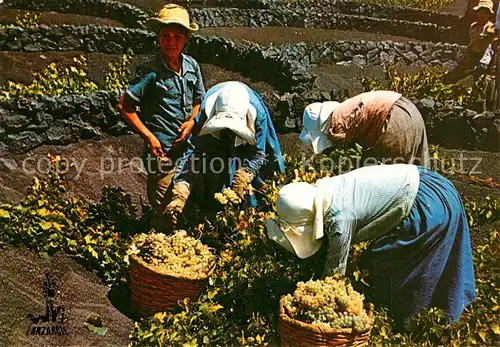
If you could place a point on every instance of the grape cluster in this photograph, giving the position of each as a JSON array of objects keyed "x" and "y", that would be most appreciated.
[
  {"x": 328, "y": 303},
  {"x": 227, "y": 196},
  {"x": 176, "y": 255}
]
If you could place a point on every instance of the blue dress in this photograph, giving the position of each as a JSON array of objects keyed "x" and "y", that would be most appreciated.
[{"x": 427, "y": 260}]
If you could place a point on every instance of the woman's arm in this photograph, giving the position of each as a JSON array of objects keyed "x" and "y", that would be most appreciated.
[
  {"x": 254, "y": 160},
  {"x": 339, "y": 234},
  {"x": 257, "y": 158}
]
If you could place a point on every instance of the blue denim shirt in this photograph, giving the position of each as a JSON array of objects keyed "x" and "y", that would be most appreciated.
[
  {"x": 262, "y": 159},
  {"x": 166, "y": 99}
]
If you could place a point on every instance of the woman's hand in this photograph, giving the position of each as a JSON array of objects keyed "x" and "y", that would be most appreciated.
[
  {"x": 155, "y": 147},
  {"x": 241, "y": 182},
  {"x": 185, "y": 130}
]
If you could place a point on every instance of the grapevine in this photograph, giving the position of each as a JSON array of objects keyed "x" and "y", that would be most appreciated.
[{"x": 227, "y": 196}]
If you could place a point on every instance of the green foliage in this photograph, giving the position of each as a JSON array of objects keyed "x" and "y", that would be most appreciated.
[
  {"x": 435, "y": 5},
  {"x": 427, "y": 83},
  {"x": 252, "y": 274},
  {"x": 27, "y": 19},
  {"x": 48, "y": 223},
  {"x": 240, "y": 304},
  {"x": 448, "y": 167},
  {"x": 335, "y": 160},
  {"x": 198, "y": 324},
  {"x": 483, "y": 211},
  {"x": 54, "y": 80},
  {"x": 94, "y": 324},
  {"x": 117, "y": 207},
  {"x": 24, "y": 19},
  {"x": 119, "y": 75}
]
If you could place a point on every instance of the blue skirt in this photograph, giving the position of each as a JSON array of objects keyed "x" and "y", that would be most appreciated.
[{"x": 427, "y": 260}]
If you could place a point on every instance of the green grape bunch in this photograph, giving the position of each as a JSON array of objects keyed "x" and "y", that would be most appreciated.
[
  {"x": 176, "y": 255},
  {"x": 329, "y": 303}
]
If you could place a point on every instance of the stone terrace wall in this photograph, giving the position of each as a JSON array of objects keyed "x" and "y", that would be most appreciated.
[
  {"x": 374, "y": 10},
  {"x": 129, "y": 15},
  {"x": 426, "y": 26},
  {"x": 369, "y": 53},
  {"x": 223, "y": 51},
  {"x": 276, "y": 66},
  {"x": 337, "y": 7},
  {"x": 260, "y": 64},
  {"x": 272, "y": 65},
  {"x": 315, "y": 18},
  {"x": 256, "y": 4},
  {"x": 89, "y": 38},
  {"x": 26, "y": 124}
]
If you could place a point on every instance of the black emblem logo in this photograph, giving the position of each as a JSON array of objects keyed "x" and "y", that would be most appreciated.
[{"x": 52, "y": 322}]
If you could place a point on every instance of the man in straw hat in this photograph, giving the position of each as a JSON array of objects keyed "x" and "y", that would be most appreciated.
[
  {"x": 168, "y": 89},
  {"x": 479, "y": 37},
  {"x": 420, "y": 254},
  {"x": 236, "y": 146},
  {"x": 386, "y": 124}
]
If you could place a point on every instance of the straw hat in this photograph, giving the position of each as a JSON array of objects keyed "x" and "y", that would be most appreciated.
[
  {"x": 487, "y": 4},
  {"x": 314, "y": 121},
  {"x": 172, "y": 14}
]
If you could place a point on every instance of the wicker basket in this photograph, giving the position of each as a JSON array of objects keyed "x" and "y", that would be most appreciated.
[
  {"x": 297, "y": 334},
  {"x": 152, "y": 292}
]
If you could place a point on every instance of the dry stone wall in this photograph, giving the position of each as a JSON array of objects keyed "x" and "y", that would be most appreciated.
[
  {"x": 375, "y": 10},
  {"x": 274, "y": 65},
  {"x": 317, "y": 18},
  {"x": 343, "y": 15},
  {"x": 114, "y": 40},
  {"x": 89, "y": 38},
  {"x": 369, "y": 53},
  {"x": 26, "y": 124},
  {"x": 336, "y": 7},
  {"x": 127, "y": 14}
]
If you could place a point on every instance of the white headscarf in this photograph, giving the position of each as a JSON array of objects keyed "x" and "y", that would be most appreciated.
[{"x": 300, "y": 216}]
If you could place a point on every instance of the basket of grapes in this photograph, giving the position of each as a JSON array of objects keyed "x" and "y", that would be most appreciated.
[
  {"x": 326, "y": 312},
  {"x": 165, "y": 269}
]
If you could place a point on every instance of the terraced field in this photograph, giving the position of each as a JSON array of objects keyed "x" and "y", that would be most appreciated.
[{"x": 21, "y": 272}]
